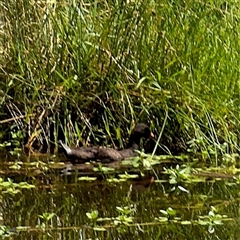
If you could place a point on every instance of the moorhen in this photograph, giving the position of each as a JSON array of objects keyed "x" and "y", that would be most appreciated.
[{"x": 104, "y": 154}]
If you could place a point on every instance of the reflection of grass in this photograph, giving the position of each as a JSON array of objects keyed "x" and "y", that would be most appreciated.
[{"x": 89, "y": 71}]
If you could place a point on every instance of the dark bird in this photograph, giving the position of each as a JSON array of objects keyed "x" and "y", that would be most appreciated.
[{"x": 103, "y": 154}]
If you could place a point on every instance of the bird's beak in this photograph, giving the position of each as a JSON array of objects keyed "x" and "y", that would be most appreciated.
[{"x": 151, "y": 135}]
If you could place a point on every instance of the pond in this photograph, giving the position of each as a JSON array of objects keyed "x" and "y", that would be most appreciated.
[{"x": 163, "y": 197}]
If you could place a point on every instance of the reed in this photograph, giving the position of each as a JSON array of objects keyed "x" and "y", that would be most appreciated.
[{"x": 88, "y": 70}]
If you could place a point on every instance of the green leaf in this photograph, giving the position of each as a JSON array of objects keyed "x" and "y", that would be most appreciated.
[
  {"x": 186, "y": 222},
  {"x": 99, "y": 229},
  {"x": 171, "y": 211},
  {"x": 87, "y": 178}
]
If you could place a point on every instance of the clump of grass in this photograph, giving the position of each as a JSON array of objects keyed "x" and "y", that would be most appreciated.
[{"x": 85, "y": 71}]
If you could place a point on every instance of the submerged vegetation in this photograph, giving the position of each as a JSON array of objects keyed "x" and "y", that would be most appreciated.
[{"x": 89, "y": 70}]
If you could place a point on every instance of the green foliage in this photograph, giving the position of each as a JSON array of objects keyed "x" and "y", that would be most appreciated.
[
  {"x": 128, "y": 176},
  {"x": 93, "y": 217},
  {"x": 212, "y": 219},
  {"x": 87, "y": 178},
  {"x": 178, "y": 174},
  {"x": 124, "y": 218},
  {"x": 182, "y": 175},
  {"x": 4, "y": 231},
  {"x": 86, "y": 70},
  {"x": 168, "y": 215},
  {"x": 46, "y": 218},
  {"x": 9, "y": 187},
  {"x": 103, "y": 169}
]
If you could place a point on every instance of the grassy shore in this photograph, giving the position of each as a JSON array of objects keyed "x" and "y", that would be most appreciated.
[{"x": 89, "y": 70}]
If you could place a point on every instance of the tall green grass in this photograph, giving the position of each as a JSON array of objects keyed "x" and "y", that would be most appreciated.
[{"x": 88, "y": 70}]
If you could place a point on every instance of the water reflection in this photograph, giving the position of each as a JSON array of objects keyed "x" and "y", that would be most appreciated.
[{"x": 135, "y": 208}]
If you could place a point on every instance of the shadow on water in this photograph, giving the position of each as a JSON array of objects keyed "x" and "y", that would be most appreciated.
[{"x": 43, "y": 199}]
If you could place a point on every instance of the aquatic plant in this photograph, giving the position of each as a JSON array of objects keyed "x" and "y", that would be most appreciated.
[
  {"x": 168, "y": 215},
  {"x": 212, "y": 219},
  {"x": 9, "y": 187},
  {"x": 46, "y": 218}
]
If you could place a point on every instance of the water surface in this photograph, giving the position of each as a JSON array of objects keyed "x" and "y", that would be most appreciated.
[{"x": 121, "y": 202}]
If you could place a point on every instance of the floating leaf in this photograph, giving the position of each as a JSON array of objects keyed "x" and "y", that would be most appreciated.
[
  {"x": 200, "y": 222},
  {"x": 127, "y": 176},
  {"x": 104, "y": 219},
  {"x": 103, "y": 169},
  {"x": 26, "y": 185},
  {"x": 164, "y": 212},
  {"x": 99, "y": 229},
  {"x": 186, "y": 223},
  {"x": 116, "y": 180},
  {"x": 92, "y": 215},
  {"x": 87, "y": 178},
  {"x": 171, "y": 211},
  {"x": 162, "y": 219}
]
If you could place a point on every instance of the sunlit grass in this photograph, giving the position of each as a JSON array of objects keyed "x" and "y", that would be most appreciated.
[{"x": 84, "y": 71}]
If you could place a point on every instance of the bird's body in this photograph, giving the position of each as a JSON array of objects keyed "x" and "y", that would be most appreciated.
[
  {"x": 104, "y": 154},
  {"x": 81, "y": 153}
]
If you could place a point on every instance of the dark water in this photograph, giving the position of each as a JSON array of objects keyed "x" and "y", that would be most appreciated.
[{"x": 24, "y": 215}]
